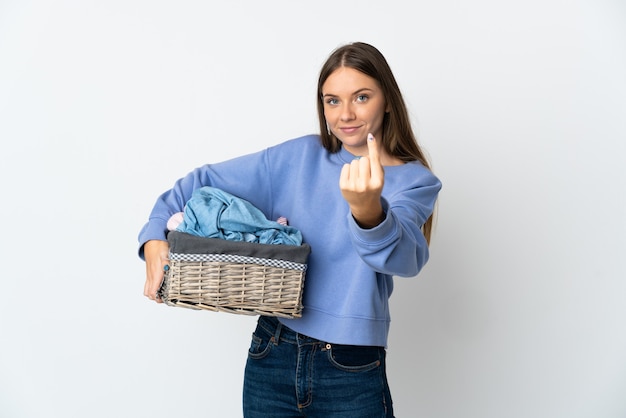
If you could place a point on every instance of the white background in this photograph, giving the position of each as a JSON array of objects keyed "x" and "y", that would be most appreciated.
[{"x": 521, "y": 310}]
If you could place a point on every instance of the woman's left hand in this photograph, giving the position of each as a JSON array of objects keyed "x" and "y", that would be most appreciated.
[{"x": 361, "y": 185}]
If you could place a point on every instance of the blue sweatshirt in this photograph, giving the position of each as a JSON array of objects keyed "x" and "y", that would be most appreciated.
[{"x": 350, "y": 270}]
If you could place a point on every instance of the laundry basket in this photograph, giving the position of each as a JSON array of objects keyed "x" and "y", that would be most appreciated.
[{"x": 235, "y": 277}]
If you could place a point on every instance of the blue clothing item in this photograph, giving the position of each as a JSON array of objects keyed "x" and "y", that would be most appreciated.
[
  {"x": 350, "y": 269},
  {"x": 291, "y": 375},
  {"x": 214, "y": 213}
]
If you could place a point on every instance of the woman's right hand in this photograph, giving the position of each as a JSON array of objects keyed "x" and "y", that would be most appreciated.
[{"x": 156, "y": 256}]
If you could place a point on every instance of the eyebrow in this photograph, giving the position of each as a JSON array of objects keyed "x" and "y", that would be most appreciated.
[{"x": 364, "y": 89}]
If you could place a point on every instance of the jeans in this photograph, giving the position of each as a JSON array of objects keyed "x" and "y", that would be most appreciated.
[{"x": 290, "y": 375}]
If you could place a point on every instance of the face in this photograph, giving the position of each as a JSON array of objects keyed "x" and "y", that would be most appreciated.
[{"x": 353, "y": 107}]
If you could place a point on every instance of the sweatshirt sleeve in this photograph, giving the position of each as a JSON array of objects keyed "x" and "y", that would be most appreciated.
[
  {"x": 397, "y": 245},
  {"x": 246, "y": 177}
]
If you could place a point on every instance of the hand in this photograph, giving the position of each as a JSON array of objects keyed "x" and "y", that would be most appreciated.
[
  {"x": 156, "y": 254},
  {"x": 361, "y": 185}
]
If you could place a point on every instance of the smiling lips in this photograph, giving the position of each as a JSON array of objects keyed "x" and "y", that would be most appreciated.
[{"x": 349, "y": 129}]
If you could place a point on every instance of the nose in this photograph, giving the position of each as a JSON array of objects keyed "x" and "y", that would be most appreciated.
[{"x": 347, "y": 113}]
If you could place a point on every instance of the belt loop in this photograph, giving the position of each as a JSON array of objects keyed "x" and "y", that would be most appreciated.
[{"x": 276, "y": 336}]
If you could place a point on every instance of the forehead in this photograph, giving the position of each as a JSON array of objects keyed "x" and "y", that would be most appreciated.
[{"x": 346, "y": 80}]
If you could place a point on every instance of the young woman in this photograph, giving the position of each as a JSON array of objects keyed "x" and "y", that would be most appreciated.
[{"x": 363, "y": 195}]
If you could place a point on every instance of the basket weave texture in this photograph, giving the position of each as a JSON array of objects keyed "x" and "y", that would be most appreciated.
[{"x": 235, "y": 277}]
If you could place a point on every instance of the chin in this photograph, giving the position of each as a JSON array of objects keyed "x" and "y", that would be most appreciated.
[{"x": 352, "y": 141}]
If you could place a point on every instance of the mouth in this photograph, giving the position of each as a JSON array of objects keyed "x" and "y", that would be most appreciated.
[{"x": 349, "y": 129}]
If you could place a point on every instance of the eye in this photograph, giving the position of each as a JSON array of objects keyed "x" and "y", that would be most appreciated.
[
  {"x": 361, "y": 98},
  {"x": 332, "y": 101}
]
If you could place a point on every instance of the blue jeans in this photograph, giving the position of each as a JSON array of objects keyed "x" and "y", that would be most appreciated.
[{"x": 292, "y": 375}]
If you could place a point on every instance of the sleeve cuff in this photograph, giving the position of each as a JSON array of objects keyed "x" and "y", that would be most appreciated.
[{"x": 376, "y": 234}]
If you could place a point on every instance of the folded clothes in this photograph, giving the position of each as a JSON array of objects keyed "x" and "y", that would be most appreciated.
[{"x": 214, "y": 213}]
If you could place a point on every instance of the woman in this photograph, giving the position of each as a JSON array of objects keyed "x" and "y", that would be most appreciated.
[{"x": 363, "y": 195}]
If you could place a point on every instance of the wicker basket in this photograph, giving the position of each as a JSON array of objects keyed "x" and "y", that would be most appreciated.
[{"x": 235, "y": 277}]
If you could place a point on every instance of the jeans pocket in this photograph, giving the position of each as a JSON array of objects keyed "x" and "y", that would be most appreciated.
[
  {"x": 352, "y": 358},
  {"x": 259, "y": 347}
]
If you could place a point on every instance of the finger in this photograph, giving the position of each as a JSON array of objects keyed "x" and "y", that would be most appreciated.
[
  {"x": 344, "y": 177},
  {"x": 162, "y": 273},
  {"x": 157, "y": 256},
  {"x": 355, "y": 170},
  {"x": 146, "y": 288},
  {"x": 373, "y": 148},
  {"x": 365, "y": 171},
  {"x": 158, "y": 275},
  {"x": 154, "y": 277}
]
